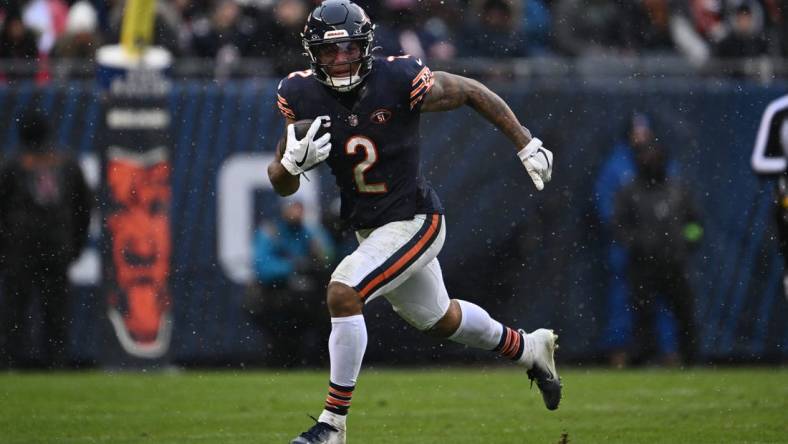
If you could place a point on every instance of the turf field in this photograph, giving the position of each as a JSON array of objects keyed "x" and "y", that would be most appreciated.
[{"x": 480, "y": 406}]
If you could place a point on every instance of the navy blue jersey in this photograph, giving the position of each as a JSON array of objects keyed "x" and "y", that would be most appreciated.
[{"x": 375, "y": 153}]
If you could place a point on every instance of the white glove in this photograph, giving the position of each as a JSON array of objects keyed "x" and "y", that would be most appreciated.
[
  {"x": 302, "y": 155},
  {"x": 538, "y": 161}
]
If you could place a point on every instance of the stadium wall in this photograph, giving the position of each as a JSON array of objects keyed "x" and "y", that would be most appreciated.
[{"x": 534, "y": 258}]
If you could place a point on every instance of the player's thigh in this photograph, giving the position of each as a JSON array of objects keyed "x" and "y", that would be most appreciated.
[
  {"x": 390, "y": 255},
  {"x": 422, "y": 300}
]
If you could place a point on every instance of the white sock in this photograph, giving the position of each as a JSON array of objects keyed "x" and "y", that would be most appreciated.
[
  {"x": 346, "y": 346},
  {"x": 338, "y": 421},
  {"x": 527, "y": 358},
  {"x": 477, "y": 329}
]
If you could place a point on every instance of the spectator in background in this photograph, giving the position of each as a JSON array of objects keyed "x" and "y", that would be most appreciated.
[
  {"x": 649, "y": 25},
  {"x": 169, "y": 29},
  {"x": 447, "y": 15},
  {"x": 591, "y": 27},
  {"x": 696, "y": 26},
  {"x": 292, "y": 262},
  {"x": 747, "y": 35},
  {"x": 45, "y": 208},
  {"x": 17, "y": 41},
  {"x": 279, "y": 36},
  {"x": 777, "y": 14},
  {"x": 342, "y": 237},
  {"x": 188, "y": 10},
  {"x": 537, "y": 26},
  {"x": 498, "y": 32},
  {"x": 406, "y": 27},
  {"x": 226, "y": 29},
  {"x": 781, "y": 207},
  {"x": 781, "y": 216},
  {"x": 618, "y": 171},
  {"x": 48, "y": 19},
  {"x": 81, "y": 38},
  {"x": 226, "y": 36},
  {"x": 656, "y": 220},
  {"x": 708, "y": 18}
]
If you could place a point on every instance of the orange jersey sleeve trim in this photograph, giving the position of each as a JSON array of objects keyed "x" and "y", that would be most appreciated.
[
  {"x": 284, "y": 107},
  {"x": 421, "y": 84}
]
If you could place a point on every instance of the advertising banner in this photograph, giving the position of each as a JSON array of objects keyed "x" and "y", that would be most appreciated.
[{"x": 135, "y": 151}]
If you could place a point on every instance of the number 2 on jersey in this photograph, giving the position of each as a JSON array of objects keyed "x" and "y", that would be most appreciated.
[{"x": 353, "y": 145}]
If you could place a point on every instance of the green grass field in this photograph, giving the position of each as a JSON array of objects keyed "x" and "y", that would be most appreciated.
[{"x": 484, "y": 406}]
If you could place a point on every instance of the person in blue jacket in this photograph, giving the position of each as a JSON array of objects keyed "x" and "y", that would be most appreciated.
[
  {"x": 291, "y": 261},
  {"x": 618, "y": 171}
]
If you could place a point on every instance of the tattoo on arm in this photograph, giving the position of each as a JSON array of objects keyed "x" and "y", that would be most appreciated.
[
  {"x": 452, "y": 91},
  {"x": 447, "y": 93}
]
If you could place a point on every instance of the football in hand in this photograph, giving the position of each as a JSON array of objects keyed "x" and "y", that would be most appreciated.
[{"x": 301, "y": 127}]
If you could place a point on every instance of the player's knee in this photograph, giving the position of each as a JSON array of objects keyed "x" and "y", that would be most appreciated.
[
  {"x": 343, "y": 301},
  {"x": 449, "y": 323}
]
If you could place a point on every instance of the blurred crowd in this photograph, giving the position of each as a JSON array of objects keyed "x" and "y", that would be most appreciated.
[{"x": 438, "y": 30}]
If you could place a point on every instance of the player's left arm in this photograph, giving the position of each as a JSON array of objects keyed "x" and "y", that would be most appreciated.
[{"x": 450, "y": 91}]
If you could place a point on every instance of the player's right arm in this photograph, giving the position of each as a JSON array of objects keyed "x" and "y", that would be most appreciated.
[
  {"x": 284, "y": 183},
  {"x": 295, "y": 156}
]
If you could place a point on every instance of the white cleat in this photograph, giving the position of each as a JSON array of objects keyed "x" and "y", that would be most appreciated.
[
  {"x": 321, "y": 433},
  {"x": 543, "y": 369}
]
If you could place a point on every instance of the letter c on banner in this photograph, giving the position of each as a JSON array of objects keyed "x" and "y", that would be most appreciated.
[{"x": 769, "y": 153}]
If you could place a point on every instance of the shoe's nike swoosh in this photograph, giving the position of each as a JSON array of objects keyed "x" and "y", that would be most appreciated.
[{"x": 306, "y": 153}]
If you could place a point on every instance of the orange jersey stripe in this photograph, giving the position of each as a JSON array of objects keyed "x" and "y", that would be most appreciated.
[
  {"x": 507, "y": 345},
  {"x": 515, "y": 343},
  {"x": 511, "y": 343},
  {"x": 422, "y": 84},
  {"x": 418, "y": 89},
  {"x": 287, "y": 112},
  {"x": 396, "y": 266},
  {"x": 284, "y": 107},
  {"x": 508, "y": 342},
  {"x": 334, "y": 391},
  {"x": 424, "y": 71},
  {"x": 428, "y": 82},
  {"x": 418, "y": 98},
  {"x": 337, "y": 402}
]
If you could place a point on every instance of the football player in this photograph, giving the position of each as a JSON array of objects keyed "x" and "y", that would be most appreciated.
[{"x": 373, "y": 106}]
